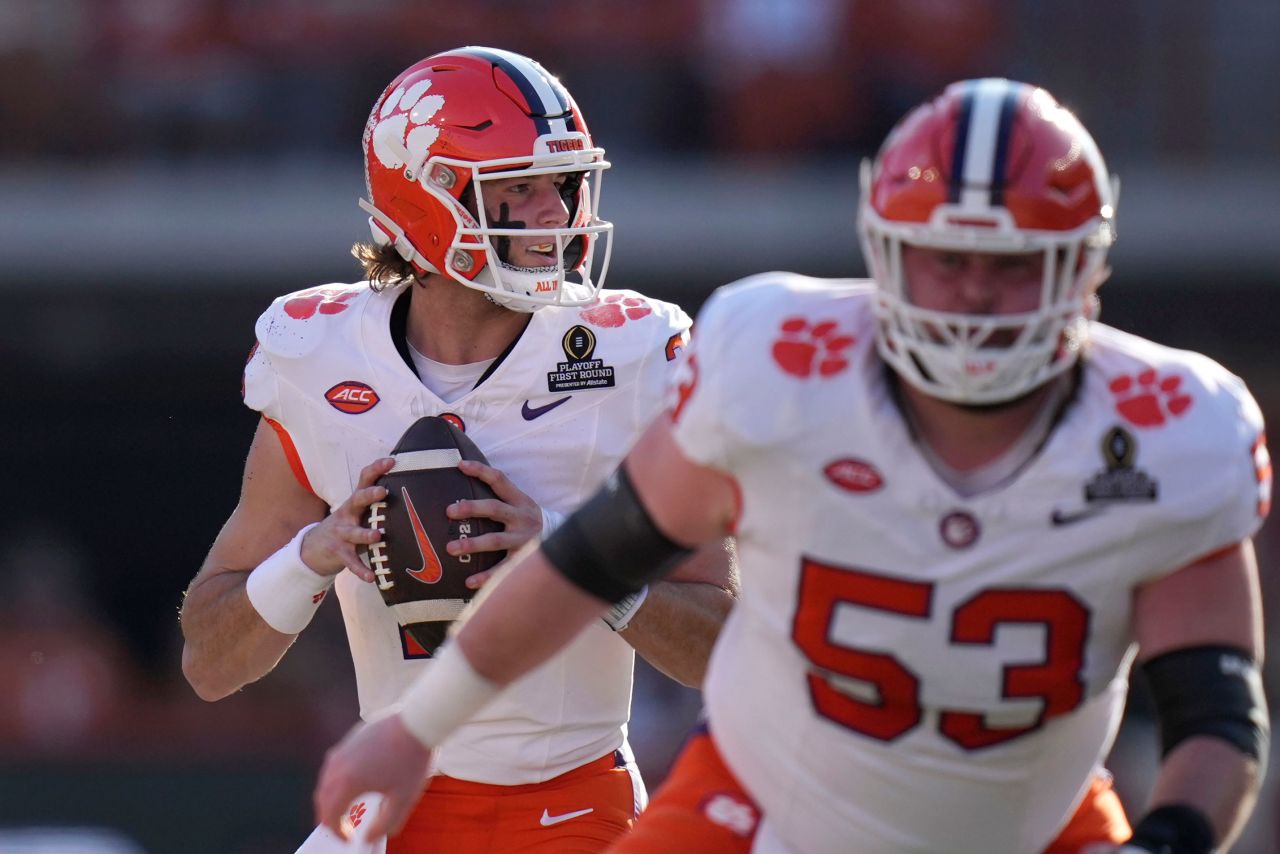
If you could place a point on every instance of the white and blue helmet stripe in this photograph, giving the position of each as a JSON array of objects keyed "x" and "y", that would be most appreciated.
[
  {"x": 984, "y": 123},
  {"x": 549, "y": 104}
]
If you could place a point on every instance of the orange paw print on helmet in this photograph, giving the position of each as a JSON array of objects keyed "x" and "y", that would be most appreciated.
[
  {"x": 803, "y": 349},
  {"x": 615, "y": 310},
  {"x": 1148, "y": 400}
]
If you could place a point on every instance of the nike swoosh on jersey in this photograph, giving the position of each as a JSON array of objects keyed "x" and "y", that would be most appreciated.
[
  {"x": 547, "y": 819},
  {"x": 1070, "y": 517},
  {"x": 431, "y": 571},
  {"x": 531, "y": 412}
]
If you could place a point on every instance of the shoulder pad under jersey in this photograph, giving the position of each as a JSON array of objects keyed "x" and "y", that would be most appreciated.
[{"x": 296, "y": 323}]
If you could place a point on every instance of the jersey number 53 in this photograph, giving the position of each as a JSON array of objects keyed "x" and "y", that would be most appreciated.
[{"x": 1055, "y": 679}]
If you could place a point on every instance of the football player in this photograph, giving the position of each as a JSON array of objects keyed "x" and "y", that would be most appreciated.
[
  {"x": 963, "y": 509},
  {"x": 483, "y": 304}
]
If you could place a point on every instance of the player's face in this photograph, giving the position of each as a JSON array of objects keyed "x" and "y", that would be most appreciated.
[
  {"x": 984, "y": 284},
  {"x": 973, "y": 282},
  {"x": 532, "y": 201}
]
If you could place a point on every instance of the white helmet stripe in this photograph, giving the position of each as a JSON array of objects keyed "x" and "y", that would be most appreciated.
[
  {"x": 547, "y": 102},
  {"x": 982, "y": 141}
]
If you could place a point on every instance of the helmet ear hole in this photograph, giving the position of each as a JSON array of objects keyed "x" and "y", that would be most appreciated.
[
  {"x": 443, "y": 177},
  {"x": 461, "y": 261}
]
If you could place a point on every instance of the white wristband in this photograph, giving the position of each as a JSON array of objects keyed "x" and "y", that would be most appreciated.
[
  {"x": 550, "y": 521},
  {"x": 445, "y": 696},
  {"x": 619, "y": 616},
  {"x": 285, "y": 591}
]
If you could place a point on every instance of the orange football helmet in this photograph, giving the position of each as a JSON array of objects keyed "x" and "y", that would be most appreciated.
[
  {"x": 450, "y": 123},
  {"x": 987, "y": 166}
]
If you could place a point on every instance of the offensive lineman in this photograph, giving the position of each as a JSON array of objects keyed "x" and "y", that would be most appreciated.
[
  {"x": 963, "y": 508},
  {"x": 482, "y": 303}
]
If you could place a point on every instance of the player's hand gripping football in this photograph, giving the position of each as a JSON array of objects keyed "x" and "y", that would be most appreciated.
[
  {"x": 330, "y": 546},
  {"x": 381, "y": 756},
  {"x": 520, "y": 514}
]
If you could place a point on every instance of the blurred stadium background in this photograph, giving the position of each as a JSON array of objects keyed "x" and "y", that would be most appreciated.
[{"x": 168, "y": 166}]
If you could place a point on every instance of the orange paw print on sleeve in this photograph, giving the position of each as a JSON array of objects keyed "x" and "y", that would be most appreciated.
[
  {"x": 616, "y": 310},
  {"x": 1149, "y": 400},
  {"x": 325, "y": 302},
  {"x": 803, "y": 349},
  {"x": 357, "y": 814}
]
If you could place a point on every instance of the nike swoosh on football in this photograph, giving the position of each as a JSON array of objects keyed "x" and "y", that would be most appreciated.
[
  {"x": 547, "y": 819},
  {"x": 431, "y": 571},
  {"x": 1063, "y": 517},
  {"x": 531, "y": 412}
]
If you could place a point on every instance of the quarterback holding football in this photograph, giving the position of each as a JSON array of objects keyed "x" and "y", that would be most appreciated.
[{"x": 481, "y": 354}]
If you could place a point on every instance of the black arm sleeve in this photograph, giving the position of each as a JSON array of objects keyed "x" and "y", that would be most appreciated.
[
  {"x": 610, "y": 546},
  {"x": 1210, "y": 690}
]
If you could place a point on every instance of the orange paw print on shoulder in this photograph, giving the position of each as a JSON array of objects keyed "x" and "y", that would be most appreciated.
[
  {"x": 615, "y": 310},
  {"x": 324, "y": 302},
  {"x": 1149, "y": 400},
  {"x": 804, "y": 348}
]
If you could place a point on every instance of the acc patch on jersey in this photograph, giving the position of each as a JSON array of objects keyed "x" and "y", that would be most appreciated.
[{"x": 352, "y": 397}]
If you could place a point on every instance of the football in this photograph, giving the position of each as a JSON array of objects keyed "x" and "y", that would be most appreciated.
[{"x": 422, "y": 583}]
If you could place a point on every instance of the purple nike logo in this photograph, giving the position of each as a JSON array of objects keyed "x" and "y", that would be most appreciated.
[{"x": 531, "y": 412}]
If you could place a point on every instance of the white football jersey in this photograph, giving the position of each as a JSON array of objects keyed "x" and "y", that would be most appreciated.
[
  {"x": 908, "y": 670},
  {"x": 557, "y": 414}
]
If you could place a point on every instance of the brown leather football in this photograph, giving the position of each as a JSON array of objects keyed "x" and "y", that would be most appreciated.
[{"x": 422, "y": 583}]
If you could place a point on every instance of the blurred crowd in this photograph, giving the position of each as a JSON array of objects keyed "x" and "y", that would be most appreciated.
[
  {"x": 149, "y": 78},
  {"x": 174, "y": 78},
  {"x": 75, "y": 689}
]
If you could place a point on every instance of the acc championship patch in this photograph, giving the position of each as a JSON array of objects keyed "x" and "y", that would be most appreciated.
[{"x": 579, "y": 370}]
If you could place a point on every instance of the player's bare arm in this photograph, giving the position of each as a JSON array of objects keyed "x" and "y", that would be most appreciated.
[
  {"x": 1184, "y": 624},
  {"x": 694, "y": 505},
  {"x": 678, "y": 622},
  {"x": 673, "y": 626},
  {"x": 689, "y": 503},
  {"x": 227, "y": 643}
]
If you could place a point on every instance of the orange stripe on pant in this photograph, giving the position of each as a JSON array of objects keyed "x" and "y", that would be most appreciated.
[
  {"x": 581, "y": 811},
  {"x": 702, "y": 808}
]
